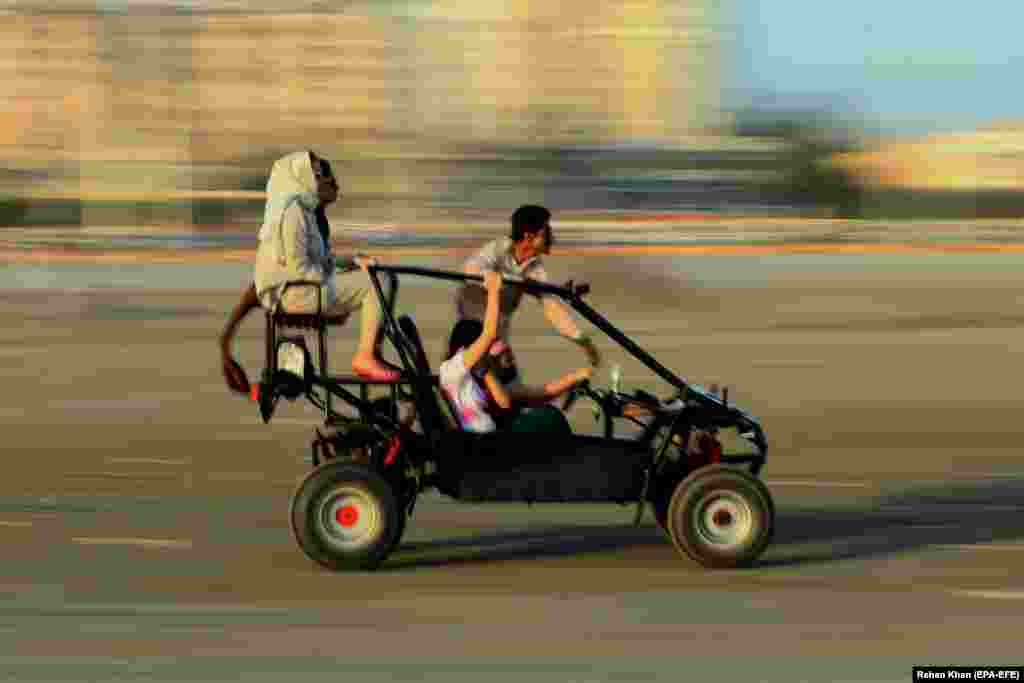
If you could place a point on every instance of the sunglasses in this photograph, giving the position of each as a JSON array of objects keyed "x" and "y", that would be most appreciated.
[
  {"x": 325, "y": 174},
  {"x": 322, "y": 169}
]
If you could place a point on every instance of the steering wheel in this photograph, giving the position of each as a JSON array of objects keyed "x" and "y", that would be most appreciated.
[{"x": 574, "y": 394}]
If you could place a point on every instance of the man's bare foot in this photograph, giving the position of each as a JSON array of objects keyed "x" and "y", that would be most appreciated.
[{"x": 373, "y": 369}]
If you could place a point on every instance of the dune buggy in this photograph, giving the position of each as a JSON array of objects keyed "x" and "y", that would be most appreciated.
[{"x": 369, "y": 465}]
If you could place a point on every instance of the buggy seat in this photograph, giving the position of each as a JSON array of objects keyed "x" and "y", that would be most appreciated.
[
  {"x": 318, "y": 322},
  {"x": 307, "y": 321},
  {"x": 517, "y": 466},
  {"x": 439, "y": 414},
  {"x": 278, "y": 320}
]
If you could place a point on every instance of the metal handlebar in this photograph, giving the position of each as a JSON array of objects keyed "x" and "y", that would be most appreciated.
[
  {"x": 572, "y": 295},
  {"x": 574, "y": 394},
  {"x": 569, "y": 291}
]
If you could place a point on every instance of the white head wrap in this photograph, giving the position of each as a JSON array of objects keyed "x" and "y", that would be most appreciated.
[{"x": 291, "y": 179}]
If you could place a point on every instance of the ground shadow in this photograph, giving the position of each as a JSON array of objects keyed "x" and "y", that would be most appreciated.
[
  {"x": 953, "y": 513},
  {"x": 950, "y": 513},
  {"x": 550, "y": 541}
]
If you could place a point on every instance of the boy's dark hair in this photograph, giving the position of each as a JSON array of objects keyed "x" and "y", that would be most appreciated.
[
  {"x": 529, "y": 218},
  {"x": 463, "y": 334}
]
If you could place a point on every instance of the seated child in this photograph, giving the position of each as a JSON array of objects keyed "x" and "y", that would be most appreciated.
[{"x": 480, "y": 401}]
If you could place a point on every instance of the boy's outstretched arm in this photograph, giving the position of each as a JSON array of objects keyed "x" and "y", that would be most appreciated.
[{"x": 560, "y": 318}]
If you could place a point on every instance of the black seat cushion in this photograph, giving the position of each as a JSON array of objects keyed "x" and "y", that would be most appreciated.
[
  {"x": 309, "y": 321},
  {"x": 412, "y": 335},
  {"x": 427, "y": 393}
]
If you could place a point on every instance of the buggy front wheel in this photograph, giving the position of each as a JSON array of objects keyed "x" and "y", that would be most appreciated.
[
  {"x": 721, "y": 517},
  {"x": 345, "y": 516}
]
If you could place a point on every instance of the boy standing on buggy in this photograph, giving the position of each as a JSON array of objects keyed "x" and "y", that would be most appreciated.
[{"x": 518, "y": 257}]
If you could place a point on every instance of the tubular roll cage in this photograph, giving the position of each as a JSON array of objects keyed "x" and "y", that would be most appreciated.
[{"x": 572, "y": 294}]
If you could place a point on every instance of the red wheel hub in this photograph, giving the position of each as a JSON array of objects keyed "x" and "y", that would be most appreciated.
[
  {"x": 347, "y": 515},
  {"x": 722, "y": 518}
]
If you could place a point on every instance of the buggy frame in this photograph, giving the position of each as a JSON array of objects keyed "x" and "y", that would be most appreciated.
[{"x": 370, "y": 468}]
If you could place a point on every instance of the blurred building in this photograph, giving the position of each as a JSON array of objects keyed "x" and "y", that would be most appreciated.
[
  {"x": 165, "y": 101},
  {"x": 53, "y": 79},
  {"x": 98, "y": 106},
  {"x": 569, "y": 72}
]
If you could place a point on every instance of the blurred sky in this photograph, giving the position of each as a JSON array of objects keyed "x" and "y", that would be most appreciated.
[{"x": 904, "y": 66}]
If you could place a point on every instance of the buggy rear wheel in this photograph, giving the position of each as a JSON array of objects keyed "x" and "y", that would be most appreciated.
[
  {"x": 345, "y": 516},
  {"x": 721, "y": 517}
]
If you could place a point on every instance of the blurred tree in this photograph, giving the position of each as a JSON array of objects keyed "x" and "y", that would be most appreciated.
[
  {"x": 811, "y": 141},
  {"x": 12, "y": 211}
]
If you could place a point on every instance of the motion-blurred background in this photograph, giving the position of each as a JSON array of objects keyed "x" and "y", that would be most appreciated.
[
  {"x": 155, "y": 114},
  {"x": 143, "y": 507}
]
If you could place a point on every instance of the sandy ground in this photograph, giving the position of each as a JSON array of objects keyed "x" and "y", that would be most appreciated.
[{"x": 143, "y": 510}]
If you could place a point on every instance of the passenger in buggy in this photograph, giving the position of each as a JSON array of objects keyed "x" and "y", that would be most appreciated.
[{"x": 481, "y": 403}]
